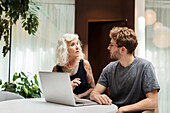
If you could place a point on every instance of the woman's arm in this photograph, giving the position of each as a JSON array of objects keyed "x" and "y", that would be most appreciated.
[
  {"x": 54, "y": 69},
  {"x": 90, "y": 80}
]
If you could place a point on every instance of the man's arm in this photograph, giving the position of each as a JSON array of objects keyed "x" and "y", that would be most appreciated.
[
  {"x": 97, "y": 95},
  {"x": 151, "y": 102}
]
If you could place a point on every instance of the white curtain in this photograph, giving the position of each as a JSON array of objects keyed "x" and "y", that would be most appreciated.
[
  {"x": 158, "y": 46},
  {"x": 31, "y": 54}
]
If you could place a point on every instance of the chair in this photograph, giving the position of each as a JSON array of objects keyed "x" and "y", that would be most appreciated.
[{"x": 4, "y": 95}]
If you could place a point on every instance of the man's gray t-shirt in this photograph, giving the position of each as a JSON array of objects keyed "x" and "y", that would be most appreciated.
[{"x": 130, "y": 84}]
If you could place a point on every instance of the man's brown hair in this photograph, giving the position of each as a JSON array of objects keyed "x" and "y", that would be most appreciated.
[{"x": 124, "y": 37}]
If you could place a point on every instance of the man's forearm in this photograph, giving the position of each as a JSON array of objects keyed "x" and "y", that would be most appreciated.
[
  {"x": 146, "y": 104},
  {"x": 93, "y": 94}
]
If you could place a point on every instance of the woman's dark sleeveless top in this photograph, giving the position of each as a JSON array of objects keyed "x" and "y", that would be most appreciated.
[{"x": 81, "y": 73}]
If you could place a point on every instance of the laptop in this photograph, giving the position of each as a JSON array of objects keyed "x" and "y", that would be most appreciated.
[{"x": 57, "y": 88}]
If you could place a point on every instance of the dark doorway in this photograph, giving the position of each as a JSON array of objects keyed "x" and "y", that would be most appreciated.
[{"x": 98, "y": 37}]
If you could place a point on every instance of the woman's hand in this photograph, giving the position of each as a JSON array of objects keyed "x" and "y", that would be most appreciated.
[
  {"x": 76, "y": 82},
  {"x": 76, "y": 96}
]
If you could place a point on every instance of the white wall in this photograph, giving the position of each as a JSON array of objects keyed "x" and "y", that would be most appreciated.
[
  {"x": 140, "y": 27},
  {"x": 31, "y": 54}
]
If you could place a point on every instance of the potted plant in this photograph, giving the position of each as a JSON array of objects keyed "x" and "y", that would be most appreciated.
[
  {"x": 23, "y": 86},
  {"x": 13, "y": 10},
  {"x": 10, "y": 12}
]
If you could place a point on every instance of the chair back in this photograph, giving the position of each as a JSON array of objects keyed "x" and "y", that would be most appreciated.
[{"x": 5, "y": 95}]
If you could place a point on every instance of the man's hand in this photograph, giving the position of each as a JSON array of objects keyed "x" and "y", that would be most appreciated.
[
  {"x": 103, "y": 99},
  {"x": 96, "y": 95},
  {"x": 75, "y": 83}
]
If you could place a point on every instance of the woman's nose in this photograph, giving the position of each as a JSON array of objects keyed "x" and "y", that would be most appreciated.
[{"x": 77, "y": 47}]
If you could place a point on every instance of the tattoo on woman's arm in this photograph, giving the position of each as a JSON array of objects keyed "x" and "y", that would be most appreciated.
[{"x": 89, "y": 77}]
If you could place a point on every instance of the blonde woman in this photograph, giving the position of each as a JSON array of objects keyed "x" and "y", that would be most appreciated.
[{"x": 70, "y": 58}]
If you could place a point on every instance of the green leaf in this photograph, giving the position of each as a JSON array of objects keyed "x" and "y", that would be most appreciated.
[
  {"x": 5, "y": 50},
  {"x": 19, "y": 75},
  {"x": 26, "y": 81},
  {"x": 25, "y": 90},
  {"x": 34, "y": 95},
  {"x": 36, "y": 81},
  {"x": 24, "y": 24},
  {"x": 9, "y": 1},
  {"x": 19, "y": 83},
  {"x": 23, "y": 16},
  {"x": 31, "y": 82},
  {"x": 0, "y": 12},
  {"x": 23, "y": 74},
  {"x": 0, "y": 81},
  {"x": 22, "y": 79},
  {"x": 4, "y": 85},
  {"x": 26, "y": 28},
  {"x": 35, "y": 87},
  {"x": 15, "y": 77}
]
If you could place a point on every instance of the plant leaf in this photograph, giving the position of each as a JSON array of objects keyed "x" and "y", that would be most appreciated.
[
  {"x": 15, "y": 77},
  {"x": 25, "y": 87},
  {"x": 36, "y": 81},
  {"x": 35, "y": 87},
  {"x": 25, "y": 90},
  {"x": 19, "y": 83},
  {"x": 23, "y": 74},
  {"x": 0, "y": 81}
]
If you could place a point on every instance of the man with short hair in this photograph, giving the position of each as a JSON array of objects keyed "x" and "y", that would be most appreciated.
[{"x": 132, "y": 83}]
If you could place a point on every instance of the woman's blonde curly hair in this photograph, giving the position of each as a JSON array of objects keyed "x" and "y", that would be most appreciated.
[{"x": 61, "y": 49}]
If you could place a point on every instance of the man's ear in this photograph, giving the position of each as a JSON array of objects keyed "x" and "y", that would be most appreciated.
[{"x": 123, "y": 50}]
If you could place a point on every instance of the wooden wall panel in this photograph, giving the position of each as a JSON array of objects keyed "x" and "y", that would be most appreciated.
[
  {"x": 87, "y": 11},
  {"x": 101, "y": 10}
]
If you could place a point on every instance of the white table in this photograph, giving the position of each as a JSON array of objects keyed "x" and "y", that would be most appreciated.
[{"x": 41, "y": 106}]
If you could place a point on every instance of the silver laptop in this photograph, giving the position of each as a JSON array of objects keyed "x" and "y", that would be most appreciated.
[{"x": 57, "y": 89}]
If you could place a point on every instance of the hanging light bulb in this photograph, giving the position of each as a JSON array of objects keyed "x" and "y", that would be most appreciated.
[
  {"x": 157, "y": 25},
  {"x": 161, "y": 37},
  {"x": 150, "y": 17}
]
